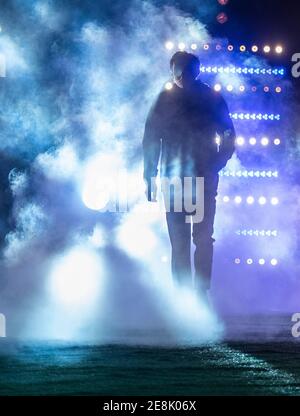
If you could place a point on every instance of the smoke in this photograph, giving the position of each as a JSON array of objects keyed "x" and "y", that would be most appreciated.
[{"x": 80, "y": 81}]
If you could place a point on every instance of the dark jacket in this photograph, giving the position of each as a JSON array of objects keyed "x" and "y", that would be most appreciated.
[{"x": 182, "y": 126}]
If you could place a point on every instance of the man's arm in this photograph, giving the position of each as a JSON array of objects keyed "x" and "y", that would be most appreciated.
[
  {"x": 152, "y": 145},
  {"x": 226, "y": 131}
]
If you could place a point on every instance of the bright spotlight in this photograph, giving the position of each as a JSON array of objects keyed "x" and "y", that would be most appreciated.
[
  {"x": 274, "y": 262},
  {"x": 267, "y": 49},
  {"x": 181, "y": 46},
  {"x": 266, "y": 89},
  {"x": 254, "y": 48},
  {"x": 229, "y": 88},
  {"x": 252, "y": 141},
  {"x": 261, "y": 262},
  {"x": 230, "y": 48},
  {"x": 169, "y": 45},
  {"x": 279, "y": 49},
  {"x": 74, "y": 279},
  {"x": 274, "y": 201},
  {"x": 194, "y": 46},
  {"x": 237, "y": 199},
  {"x": 206, "y": 46},
  {"x": 240, "y": 141},
  {"x": 250, "y": 200},
  {"x": 217, "y": 87},
  {"x": 242, "y": 88},
  {"x": 278, "y": 90},
  {"x": 226, "y": 199},
  {"x": 262, "y": 200},
  {"x": 169, "y": 86},
  {"x": 237, "y": 261},
  {"x": 264, "y": 141},
  {"x": 277, "y": 142},
  {"x": 249, "y": 261},
  {"x": 242, "y": 48}
]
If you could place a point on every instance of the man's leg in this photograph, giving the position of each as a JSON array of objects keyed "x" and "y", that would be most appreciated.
[
  {"x": 203, "y": 240},
  {"x": 180, "y": 238}
]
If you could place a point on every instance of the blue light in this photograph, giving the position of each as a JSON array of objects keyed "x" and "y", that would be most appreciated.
[{"x": 242, "y": 70}]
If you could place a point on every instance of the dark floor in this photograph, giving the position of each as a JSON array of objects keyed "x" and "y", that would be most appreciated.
[{"x": 258, "y": 357}]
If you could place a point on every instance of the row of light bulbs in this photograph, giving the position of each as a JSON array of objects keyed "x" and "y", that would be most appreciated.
[
  {"x": 243, "y": 88},
  {"x": 250, "y": 200},
  {"x": 264, "y": 141},
  {"x": 278, "y": 49},
  {"x": 261, "y": 262}
]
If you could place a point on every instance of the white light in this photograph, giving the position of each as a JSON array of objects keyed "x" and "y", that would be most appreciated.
[
  {"x": 237, "y": 199},
  {"x": 74, "y": 279},
  {"x": 169, "y": 45},
  {"x": 169, "y": 86},
  {"x": 279, "y": 49},
  {"x": 264, "y": 141},
  {"x": 274, "y": 201},
  {"x": 237, "y": 261},
  {"x": 193, "y": 46},
  {"x": 262, "y": 200},
  {"x": 242, "y": 88},
  {"x": 218, "y": 140},
  {"x": 277, "y": 142},
  {"x": 181, "y": 46},
  {"x": 229, "y": 88},
  {"x": 240, "y": 141},
  {"x": 262, "y": 262},
  {"x": 254, "y": 48},
  {"x": 250, "y": 200},
  {"x": 249, "y": 261},
  {"x": 226, "y": 199},
  {"x": 218, "y": 87},
  {"x": 252, "y": 141},
  {"x": 267, "y": 49},
  {"x": 274, "y": 262}
]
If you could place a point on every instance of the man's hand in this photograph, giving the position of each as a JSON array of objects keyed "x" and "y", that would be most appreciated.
[{"x": 151, "y": 189}]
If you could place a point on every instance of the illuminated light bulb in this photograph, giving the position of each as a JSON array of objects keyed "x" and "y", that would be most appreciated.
[
  {"x": 217, "y": 87},
  {"x": 279, "y": 49},
  {"x": 278, "y": 90},
  {"x": 250, "y": 200},
  {"x": 169, "y": 86},
  {"x": 237, "y": 199},
  {"x": 169, "y": 45},
  {"x": 229, "y": 88},
  {"x": 267, "y": 49},
  {"x": 237, "y": 261},
  {"x": 266, "y": 89},
  {"x": 254, "y": 89},
  {"x": 226, "y": 199},
  {"x": 230, "y": 48},
  {"x": 262, "y": 200},
  {"x": 274, "y": 201},
  {"x": 252, "y": 141},
  {"x": 181, "y": 46},
  {"x": 218, "y": 47},
  {"x": 274, "y": 262},
  {"x": 264, "y": 141},
  {"x": 218, "y": 140},
  {"x": 262, "y": 262},
  {"x": 206, "y": 46},
  {"x": 277, "y": 142},
  {"x": 240, "y": 141},
  {"x": 242, "y": 48},
  {"x": 254, "y": 48},
  {"x": 249, "y": 261},
  {"x": 242, "y": 88},
  {"x": 193, "y": 46}
]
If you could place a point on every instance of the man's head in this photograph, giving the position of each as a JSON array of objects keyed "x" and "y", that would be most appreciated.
[{"x": 185, "y": 68}]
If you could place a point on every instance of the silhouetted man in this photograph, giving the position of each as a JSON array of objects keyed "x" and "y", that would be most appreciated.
[{"x": 189, "y": 127}]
